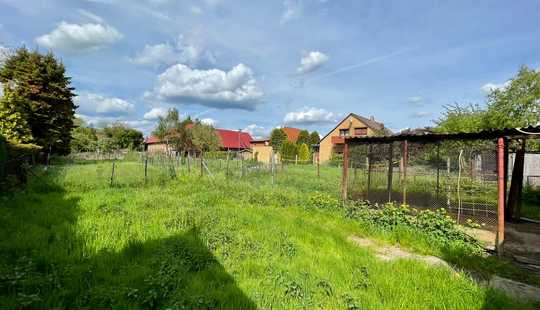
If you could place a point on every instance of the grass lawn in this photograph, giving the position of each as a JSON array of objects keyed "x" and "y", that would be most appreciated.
[{"x": 70, "y": 240}]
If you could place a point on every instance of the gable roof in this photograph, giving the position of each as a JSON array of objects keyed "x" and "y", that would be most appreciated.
[
  {"x": 233, "y": 139},
  {"x": 292, "y": 133},
  {"x": 230, "y": 139},
  {"x": 370, "y": 123}
]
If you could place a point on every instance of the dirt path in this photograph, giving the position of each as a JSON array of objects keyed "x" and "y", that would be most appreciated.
[{"x": 389, "y": 253}]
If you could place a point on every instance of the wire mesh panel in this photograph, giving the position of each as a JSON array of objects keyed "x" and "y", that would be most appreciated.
[{"x": 459, "y": 176}]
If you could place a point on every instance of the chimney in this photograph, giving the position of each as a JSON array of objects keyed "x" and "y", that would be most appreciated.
[{"x": 372, "y": 118}]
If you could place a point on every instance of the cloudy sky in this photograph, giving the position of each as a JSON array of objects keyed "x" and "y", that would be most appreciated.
[{"x": 255, "y": 65}]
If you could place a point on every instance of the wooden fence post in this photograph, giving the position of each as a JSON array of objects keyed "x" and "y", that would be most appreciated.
[
  {"x": 227, "y": 165},
  {"x": 112, "y": 173},
  {"x": 501, "y": 168},
  {"x": 202, "y": 167},
  {"x": 369, "y": 162},
  {"x": 188, "y": 164},
  {"x": 145, "y": 169},
  {"x": 405, "y": 162},
  {"x": 390, "y": 171},
  {"x": 344, "y": 175},
  {"x": 318, "y": 165}
]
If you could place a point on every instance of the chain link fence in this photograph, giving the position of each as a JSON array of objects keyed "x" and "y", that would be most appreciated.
[{"x": 459, "y": 176}]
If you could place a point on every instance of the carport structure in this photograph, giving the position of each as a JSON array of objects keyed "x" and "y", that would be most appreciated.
[{"x": 464, "y": 173}]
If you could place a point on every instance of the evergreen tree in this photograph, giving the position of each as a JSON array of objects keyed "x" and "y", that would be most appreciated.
[
  {"x": 304, "y": 155},
  {"x": 313, "y": 138},
  {"x": 303, "y": 137},
  {"x": 37, "y": 104},
  {"x": 277, "y": 137},
  {"x": 288, "y": 150}
]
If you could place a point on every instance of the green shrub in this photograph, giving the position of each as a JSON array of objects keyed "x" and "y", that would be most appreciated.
[
  {"x": 435, "y": 224},
  {"x": 3, "y": 158},
  {"x": 323, "y": 201}
]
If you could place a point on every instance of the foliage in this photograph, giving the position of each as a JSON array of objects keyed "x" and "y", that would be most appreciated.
[
  {"x": 303, "y": 137},
  {"x": 314, "y": 138},
  {"x": 435, "y": 224},
  {"x": 83, "y": 139},
  {"x": 517, "y": 104},
  {"x": 304, "y": 155},
  {"x": 37, "y": 106},
  {"x": 204, "y": 138},
  {"x": 288, "y": 150},
  {"x": 211, "y": 243},
  {"x": 3, "y": 158},
  {"x": 277, "y": 138},
  {"x": 456, "y": 118},
  {"x": 120, "y": 136}
]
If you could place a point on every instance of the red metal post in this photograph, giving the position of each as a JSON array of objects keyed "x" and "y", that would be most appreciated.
[
  {"x": 501, "y": 188},
  {"x": 345, "y": 176}
]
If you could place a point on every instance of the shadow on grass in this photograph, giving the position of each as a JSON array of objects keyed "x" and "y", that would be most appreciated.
[{"x": 44, "y": 263}]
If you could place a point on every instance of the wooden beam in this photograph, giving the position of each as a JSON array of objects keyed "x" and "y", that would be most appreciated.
[
  {"x": 344, "y": 175},
  {"x": 500, "y": 203}
]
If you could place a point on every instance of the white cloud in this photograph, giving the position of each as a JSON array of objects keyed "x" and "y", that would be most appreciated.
[
  {"x": 234, "y": 89},
  {"x": 256, "y": 131},
  {"x": 155, "y": 113},
  {"x": 489, "y": 87},
  {"x": 209, "y": 121},
  {"x": 415, "y": 99},
  {"x": 96, "y": 104},
  {"x": 311, "y": 61},
  {"x": 421, "y": 114},
  {"x": 293, "y": 10},
  {"x": 168, "y": 54},
  {"x": 146, "y": 126},
  {"x": 79, "y": 38},
  {"x": 310, "y": 115}
]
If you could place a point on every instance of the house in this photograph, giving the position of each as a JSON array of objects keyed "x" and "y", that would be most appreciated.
[
  {"x": 231, "y": 140},
  {"x": 292, "y": 133},
  {"x": 262, "y": 150},
  {"x": 352, "y": 125}
]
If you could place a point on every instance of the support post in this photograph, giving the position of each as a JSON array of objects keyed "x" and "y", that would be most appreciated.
[
  {"x": 227, "y": 164},
  {"x": 500, "y": 203},
  {"x": 295, "y": 160},
  {"x": 112, "y": 173},
  {"x": 390, "y": 171},
  {"x": 318, "y": 165},
  {"x": 188, "y": 164},
  {"x": 202, "y": 166},
  {"x": 438, "y": 170},
  {"x": 405, "y": 159},
  {"x": 344, "y": 175},
  {"x": 368, "y": 187},
  {"x": 145, "y": 170}
]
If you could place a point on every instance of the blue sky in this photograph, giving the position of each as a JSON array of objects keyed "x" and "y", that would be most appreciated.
[{"x": 255, "y": 65}]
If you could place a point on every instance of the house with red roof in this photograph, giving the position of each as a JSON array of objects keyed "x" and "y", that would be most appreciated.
[{"x": 231, "y": 140}]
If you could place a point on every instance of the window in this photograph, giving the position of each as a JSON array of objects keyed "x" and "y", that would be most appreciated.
[
  {"x": 344, "y": 132},
  {"x": 360, "y": 131}
]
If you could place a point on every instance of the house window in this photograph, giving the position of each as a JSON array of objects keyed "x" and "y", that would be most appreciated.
[
  {"x": 344, "y": 132},
  {"x": 360, "y": 131}
]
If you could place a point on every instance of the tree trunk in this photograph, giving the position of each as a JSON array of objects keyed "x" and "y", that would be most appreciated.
[{"x": 513, "y": 207}]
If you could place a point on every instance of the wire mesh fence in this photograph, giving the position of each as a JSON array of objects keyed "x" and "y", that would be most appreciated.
[{"x": 459, "y": 176}]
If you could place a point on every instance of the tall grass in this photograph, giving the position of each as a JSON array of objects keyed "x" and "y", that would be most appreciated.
[{"x": 71, "y": 240}]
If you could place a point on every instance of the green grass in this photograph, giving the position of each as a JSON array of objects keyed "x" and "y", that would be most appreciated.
[{"x": 70, "y": 240}]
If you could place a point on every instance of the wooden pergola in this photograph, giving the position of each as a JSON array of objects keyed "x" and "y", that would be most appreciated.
[{"x": 499, "y": 136}]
